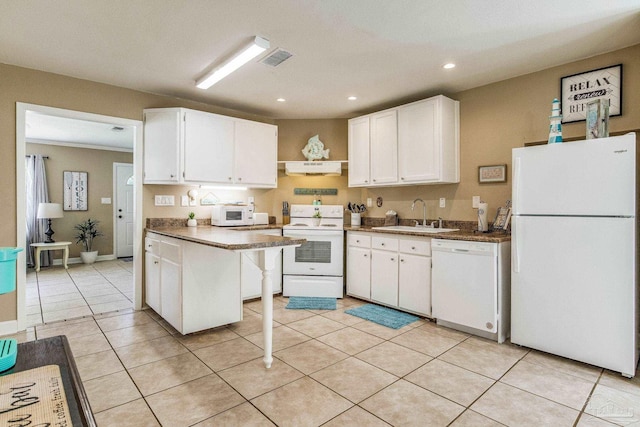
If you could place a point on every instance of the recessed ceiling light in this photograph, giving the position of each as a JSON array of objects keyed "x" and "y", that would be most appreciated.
[
  {"x": 449, "y": 66},
  {"x": 280, "y": 99},
  {"x": 352, "y": 98}
]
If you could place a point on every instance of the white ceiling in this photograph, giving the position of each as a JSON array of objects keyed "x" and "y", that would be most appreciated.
[{"x": 385, "y": 52}]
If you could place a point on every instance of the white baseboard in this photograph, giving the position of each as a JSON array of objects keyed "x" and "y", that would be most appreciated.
[
  {"x": 78, "y": 260},
  {"x": 8, "y": 327}
]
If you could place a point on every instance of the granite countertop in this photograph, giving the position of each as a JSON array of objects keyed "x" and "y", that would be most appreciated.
[
  {"x": 468, "y": 235},
  {"x": 223, "y": 237}
]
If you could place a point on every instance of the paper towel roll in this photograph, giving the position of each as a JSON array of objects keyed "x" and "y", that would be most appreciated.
[{"x": 483, "y": 225}]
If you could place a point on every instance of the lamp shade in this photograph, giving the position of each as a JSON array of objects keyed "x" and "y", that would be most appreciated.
[{"x": 49, "y": 210}]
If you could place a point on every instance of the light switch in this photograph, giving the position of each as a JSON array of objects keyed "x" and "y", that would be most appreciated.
[
  {"x": 475, "y": 202},
  {"x": 184, "y": 201},
  {"x": 105, "y": 200},
  {"x": 165, "y": 200},
  {"x": 443, "y": 202},
  {"x": 369, "y": 202}
]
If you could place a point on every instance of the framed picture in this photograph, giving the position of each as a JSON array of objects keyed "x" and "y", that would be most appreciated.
[
  {"x": 494, "y": 173},
  {"x": 578, "y": 89},
  {"x": 75, "y": 191},
  {"x": 501, "y": 222}
]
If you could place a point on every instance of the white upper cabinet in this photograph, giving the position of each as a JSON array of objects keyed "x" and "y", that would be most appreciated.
[
  {"x": 208, "y": 148},
  {"x": 384, "y": 147},
  {"x": 184, "y": 146},
  {"x": 256, "y": 154},
  {"x": 416, "y": 143},
  {"x": 162, "y": 130},
  {"x": 359, "y": 152}
]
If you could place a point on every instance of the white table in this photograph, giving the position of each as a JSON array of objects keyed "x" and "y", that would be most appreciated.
[{"x": 55, "y": 246}]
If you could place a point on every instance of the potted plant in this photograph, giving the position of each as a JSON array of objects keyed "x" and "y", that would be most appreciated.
[
  {"x": 317, "y": 217},
  {"x": 85, "y": 233},
  {"x": 192, "y": 222}
]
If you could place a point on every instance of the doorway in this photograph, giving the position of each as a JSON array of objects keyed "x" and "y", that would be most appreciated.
[
  {"x": 123, "y": 209},
  {"x": 21, "y": 114}
]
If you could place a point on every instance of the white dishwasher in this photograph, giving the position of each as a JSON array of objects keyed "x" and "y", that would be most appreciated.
[{"x": 465, "y": 286}]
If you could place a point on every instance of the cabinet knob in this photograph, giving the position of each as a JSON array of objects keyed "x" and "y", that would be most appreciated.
[
  {"x": 393, "y": 259},
  {"x": 366, "y": 180},
  {"x": 239, "y": 179},
  {"x": 357, "y": 241},
  {"x": 381, "y": 244},
  {"x": 365, "y": 255},
  {"x": 374, "y": 180},
  {"x": 172, "y": 175},
  {"x": 401, "y": 259},
  {"x": 402, "y": 178},
  {"x": 229, "y": 178},
  {"x": 413, "y": 248},
  {"x": 155, "y": 262},
  {"x": 149, "y": 246},
  {"x": 119, "y": 216}
]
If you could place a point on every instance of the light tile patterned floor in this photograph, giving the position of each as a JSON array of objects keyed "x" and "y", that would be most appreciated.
[
  {"x": 54, "y": 293},
  {"x": 138, "y": 371}
]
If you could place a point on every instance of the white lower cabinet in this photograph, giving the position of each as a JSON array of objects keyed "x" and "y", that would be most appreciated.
[
  {"x": 192, "y": 286},
  {"x": 251, "y": 276},
  {"x": 392, "y": 270}
]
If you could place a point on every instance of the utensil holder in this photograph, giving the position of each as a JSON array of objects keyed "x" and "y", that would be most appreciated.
[{"x": 356, "y": 219}]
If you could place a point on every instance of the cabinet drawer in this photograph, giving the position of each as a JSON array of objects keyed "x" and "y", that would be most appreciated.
[
  {"x": 359, "y": 240},
  {"x": 170, "y": 251},
  {"x": 417, "y": 247},
  {"x": 384, "y": 243},
  {"x": 152, "y": 245}
]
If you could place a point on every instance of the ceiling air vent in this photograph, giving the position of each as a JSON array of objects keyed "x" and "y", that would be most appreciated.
[{"x": 276, "y": 58}]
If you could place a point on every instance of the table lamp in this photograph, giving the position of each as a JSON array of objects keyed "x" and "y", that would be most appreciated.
[
  {"x": 48, "y": 211},
  {"x": 9, "y": 346}
]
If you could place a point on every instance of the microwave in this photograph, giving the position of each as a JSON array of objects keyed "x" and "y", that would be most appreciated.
[{"x": 232, "y": 215}]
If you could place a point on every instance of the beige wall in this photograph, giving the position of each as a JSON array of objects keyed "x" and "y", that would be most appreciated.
[
  {"x": 99, "y": 166},
  {"x": 494, "y": 119}
]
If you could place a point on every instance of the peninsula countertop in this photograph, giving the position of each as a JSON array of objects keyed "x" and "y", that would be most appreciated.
[
  {"x": 468, "y": 235},
  {"x": 237, "y": 238}
]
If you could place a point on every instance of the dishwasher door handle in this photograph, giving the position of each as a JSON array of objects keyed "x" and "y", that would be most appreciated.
[{"x": 460, "y": 250}]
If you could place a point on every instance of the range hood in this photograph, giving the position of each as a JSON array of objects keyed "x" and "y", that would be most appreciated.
[{"x": 328, "y": 168}]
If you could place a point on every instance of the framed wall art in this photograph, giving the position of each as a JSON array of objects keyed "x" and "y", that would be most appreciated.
[
  {"x": 493, "y": 173},
  {"x": 76, "y": 191},
  {"x": 577, "y": 90}
]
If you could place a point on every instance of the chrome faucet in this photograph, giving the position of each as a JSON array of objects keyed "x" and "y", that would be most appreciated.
[{"x": 424, "y": 210}]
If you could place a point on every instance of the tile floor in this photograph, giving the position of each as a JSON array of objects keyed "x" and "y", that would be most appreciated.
[
  {"x": 330, "y": 369},
  {"x": 54, "y": 293}
]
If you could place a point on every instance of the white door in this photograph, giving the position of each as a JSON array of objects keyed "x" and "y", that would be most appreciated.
[
  {"x": 419, "y": 142},
  {"x": 384, "y": 277},
  {"x": 359, "y": 272},
  {"x": 359, "y": 151},
  {"x": 123, "y": 209}
]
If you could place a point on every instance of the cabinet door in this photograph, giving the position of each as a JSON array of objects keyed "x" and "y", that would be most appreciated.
[
  {"x": 384, "y": 277},
  {"x": 359, "y": 152},
  {"x": 359, "y": 272},
  {"x": 419, "y": 142},
  {"x": 208, "y": 147},
  {"x": 162, "y": 139},
  {"x": 256, "y": 154},
  {"x": 171, "y": 293},
  {"x": 414, "y": 293},
  {"x": 384, "y": 148},
  {"x": 152, "y": 281}
]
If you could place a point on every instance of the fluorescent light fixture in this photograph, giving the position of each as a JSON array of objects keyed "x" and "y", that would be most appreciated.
[
  {"x": 224, "y": 187},
  {"x": 255, "y": 48},
  {"x": 449, "y": 65}
]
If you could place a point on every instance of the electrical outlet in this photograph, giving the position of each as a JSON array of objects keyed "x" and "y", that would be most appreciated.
[
  {"x": 250, "y": 200},
  {"x": 105, "y": 200},
  {"x": 443, "y": 202},
  {"x": 475, "y": 202},
  {"x": 184, "y": 200},
  {"x": 369, "y": 202}
]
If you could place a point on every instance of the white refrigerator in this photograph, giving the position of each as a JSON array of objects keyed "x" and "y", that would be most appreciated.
[{"x": 574, "y": 262}]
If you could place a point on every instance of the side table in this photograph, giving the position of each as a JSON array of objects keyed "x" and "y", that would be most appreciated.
[{"x": 55, "y": 246}]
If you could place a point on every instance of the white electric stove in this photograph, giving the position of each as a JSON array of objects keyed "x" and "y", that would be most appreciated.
[{"x": 316, "y": 267}]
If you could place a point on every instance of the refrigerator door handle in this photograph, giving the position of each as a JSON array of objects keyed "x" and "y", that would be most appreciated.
[
  {"x": 515, "y": 253},
  {"x": 516, "y": 185}
]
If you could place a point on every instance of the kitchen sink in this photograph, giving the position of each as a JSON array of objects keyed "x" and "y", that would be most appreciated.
[{"x": 416, "y": 229}]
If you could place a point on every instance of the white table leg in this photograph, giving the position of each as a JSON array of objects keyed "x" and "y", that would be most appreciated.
[
  {"x": 37, "y": 259},
  {"x": 66, "y": 256},
  {"x": 267, "y": 263}
]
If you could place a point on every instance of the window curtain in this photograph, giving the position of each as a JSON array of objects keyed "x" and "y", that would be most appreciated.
[{"x": 37, "y": 192}]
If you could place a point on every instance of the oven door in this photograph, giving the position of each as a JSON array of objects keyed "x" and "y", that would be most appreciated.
[{"x": 320, "y": 255}]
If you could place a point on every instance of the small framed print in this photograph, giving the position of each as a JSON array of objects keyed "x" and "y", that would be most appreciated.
[
  {"x": 494, "y": 173},
  {"x": 75, "y": 191}
]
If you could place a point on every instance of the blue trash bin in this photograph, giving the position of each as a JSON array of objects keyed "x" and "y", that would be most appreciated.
[
  {"x": 8, "y": 258},
  {"x": 8, "y": 347}
]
